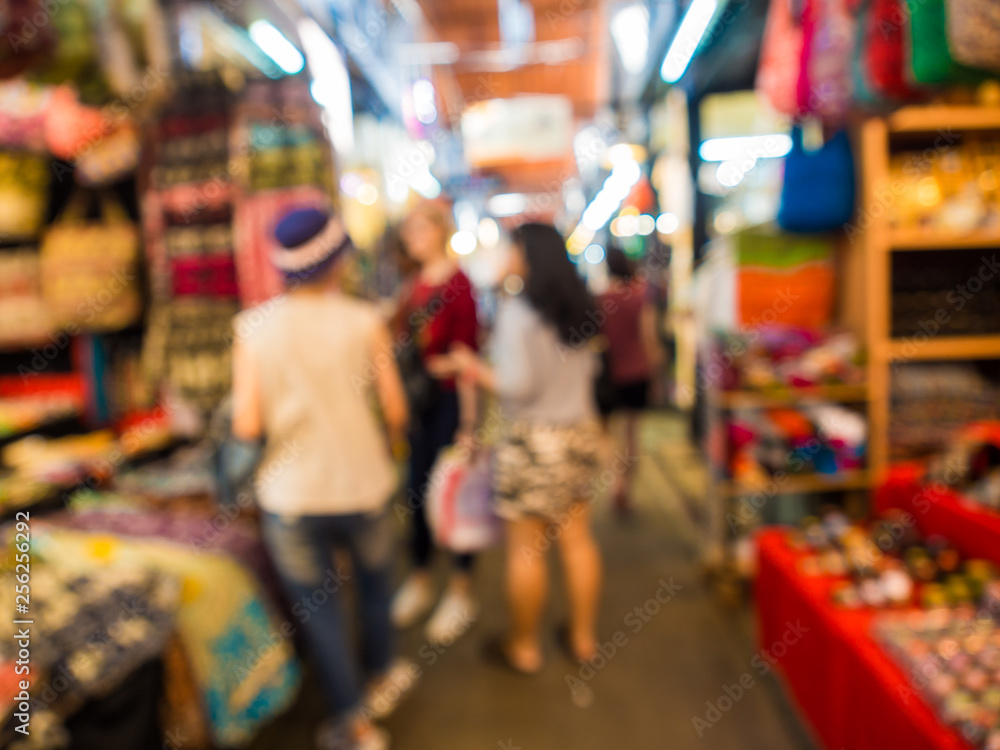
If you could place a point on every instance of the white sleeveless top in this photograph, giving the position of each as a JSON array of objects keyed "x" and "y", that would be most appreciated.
[{"x": 325, "y": 452}]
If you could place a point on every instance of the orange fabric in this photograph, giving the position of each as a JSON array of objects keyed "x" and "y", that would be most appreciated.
[{"x": 802, "y": 298}]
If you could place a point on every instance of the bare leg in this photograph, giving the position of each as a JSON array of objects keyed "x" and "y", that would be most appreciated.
[
  {"x": 527, "y": 588},
  {"x": 582, "y": 563},
  {"x": 624, "y": 490}
]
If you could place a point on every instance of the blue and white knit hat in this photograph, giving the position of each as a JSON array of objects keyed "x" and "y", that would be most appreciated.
[{"x": 311, "y": 241}]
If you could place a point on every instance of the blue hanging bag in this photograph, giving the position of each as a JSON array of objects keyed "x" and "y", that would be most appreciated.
[{"x": 818, "y": 190}]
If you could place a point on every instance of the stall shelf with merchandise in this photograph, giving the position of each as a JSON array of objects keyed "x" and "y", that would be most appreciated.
[
  {"x": 745, "y": 399},
  {"x": 848, "y": 687},
  {"x": 854, "y": 479},
  {"x": 850, "y": 691},
  {"x": 943, "y": 511},
  {"x": 872, "y": 303}
]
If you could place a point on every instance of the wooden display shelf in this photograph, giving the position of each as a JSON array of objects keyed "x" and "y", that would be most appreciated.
[
  {"x": 943, "y": 117},
  {"x": 929, "y": 239},
  {"x": 874, "y": 276},
  {"x": 751, "y": 399},
  {"x": 945, "y": 347},
  {"x": 854, "y": 479}
]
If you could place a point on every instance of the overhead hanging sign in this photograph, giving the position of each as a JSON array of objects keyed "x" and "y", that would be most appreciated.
[{"x": 522, "y": 129}]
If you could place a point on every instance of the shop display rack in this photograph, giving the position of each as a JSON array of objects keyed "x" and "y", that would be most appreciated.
[
  {"x": 724, "y": 493},
  {"x": 872, "y": 301}
]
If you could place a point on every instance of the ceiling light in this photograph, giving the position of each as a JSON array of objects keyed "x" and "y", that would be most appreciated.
[
  {"x": 689, "y": 34},
  {"x": 367, "y": 194},
  {"x": 426, "y": 184},
  {"x": 630, "y": 31},
  {"x": 594, "y": 254},
  {"x": 350, "y": 183},
  {"x": 621, "y": 153},
  {"x": 463, "y": 242},
  {"x": 507, "y": 204},
  {"x": 729, "y": 174},
  {"x": 753, "y": 147},
  {"x": 489, "y": 232},
  {"x": 425, "y": 101},
  {"x": 667, "y": 223},
  {"x": 331, "y": 86},
  {"x": 275, "y": 45}
]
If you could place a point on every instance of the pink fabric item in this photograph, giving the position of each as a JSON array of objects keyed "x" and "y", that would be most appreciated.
[
  {"x": 780, "y": 56},
  {"x": 254, "y": 222}
]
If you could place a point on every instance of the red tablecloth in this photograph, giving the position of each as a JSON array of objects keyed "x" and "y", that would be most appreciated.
[
  {"x": 972, "y": 528},
  {"x": 852, "y": 694}
]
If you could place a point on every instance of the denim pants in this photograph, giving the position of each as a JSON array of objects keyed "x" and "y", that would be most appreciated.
[{"x": 302, "y": 548}]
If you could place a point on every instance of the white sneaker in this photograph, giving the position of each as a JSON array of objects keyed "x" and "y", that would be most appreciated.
[
  {"x": 412, "y": 601},
  {"x": 454, "y": 615},
  {"x": 382, "y": 698}
]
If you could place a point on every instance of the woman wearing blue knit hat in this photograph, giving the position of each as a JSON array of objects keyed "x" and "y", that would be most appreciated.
[{"x": 304, "y": 366}]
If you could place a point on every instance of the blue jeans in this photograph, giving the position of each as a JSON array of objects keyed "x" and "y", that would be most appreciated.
[{"x": 302, "y": 549}]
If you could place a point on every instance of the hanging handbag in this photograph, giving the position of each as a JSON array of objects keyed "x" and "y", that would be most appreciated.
[
  {"x": 460, "y": 501},
  {"x": 90, "y": 268},
  {"x": 781, "y": 50},
  {"x": 817, "y": 194},
  {"x": 24, "y": 188},
  {"x": 824, "y": 82},
  {"x": 974, "y": 32},
  {"x": 930, "y": 58},
  {"x": 885, "y": 57},
  {"x": 110, "y": 158}
]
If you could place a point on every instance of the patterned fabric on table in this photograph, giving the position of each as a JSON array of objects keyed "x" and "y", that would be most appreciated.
[
  {"x": 91, "y": 630},
  {"x": 541, "y": 470},
  {"x": 245, "y": 668},
  {"x": 187, "y": 472},
  {"x": 238, "y": 539}
]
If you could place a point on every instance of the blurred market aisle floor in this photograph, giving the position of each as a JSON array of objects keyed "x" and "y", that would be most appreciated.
[{"x": 674, "y": 660}]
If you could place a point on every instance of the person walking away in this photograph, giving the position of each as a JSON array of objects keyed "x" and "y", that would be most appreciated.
[
  {"x": 437, "y": 313},
  {"x": 547, "y": 459},
  {"x": 302, "y": 373},
  {"x": 633, "y": 355}
]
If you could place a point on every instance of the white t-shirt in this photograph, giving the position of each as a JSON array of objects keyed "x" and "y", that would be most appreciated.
[
  {"x": 325, "y": 452},
  {"x": 539, "y": 378}
]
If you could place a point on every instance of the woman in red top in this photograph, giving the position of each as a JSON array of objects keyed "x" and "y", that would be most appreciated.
[
  {"x": 439, "y": 312},
  {"x": 633, "y": 355}
]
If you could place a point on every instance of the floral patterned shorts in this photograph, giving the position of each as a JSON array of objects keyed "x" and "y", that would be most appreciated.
[{"x": 542, "y": 470}]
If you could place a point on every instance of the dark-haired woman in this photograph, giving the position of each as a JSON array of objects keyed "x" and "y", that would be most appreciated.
[
  {"x": 634, "y": 355},
  {"x": 547, "y": 460}
]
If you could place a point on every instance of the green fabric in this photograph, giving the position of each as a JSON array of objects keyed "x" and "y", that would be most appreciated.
[
  {"x": 758, "y": 247},
  {"x": 930, "y": 58}
]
